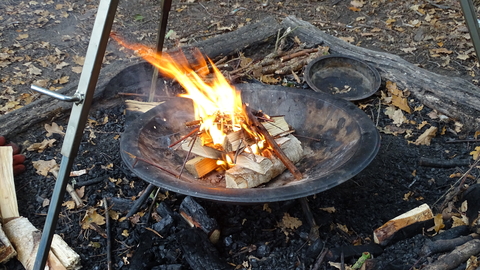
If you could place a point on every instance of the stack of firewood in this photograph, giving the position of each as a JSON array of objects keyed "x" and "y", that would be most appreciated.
[
  {"x": 245, "y": 167},
  {"x": 18, "y": 237}
]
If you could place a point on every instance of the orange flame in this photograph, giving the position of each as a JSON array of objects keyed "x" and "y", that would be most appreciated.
[{"x": 212, "y": 101}]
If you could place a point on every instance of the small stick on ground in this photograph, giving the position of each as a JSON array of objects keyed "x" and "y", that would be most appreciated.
[
  {"x": 109, "y": 236},
  {"x": 141, "y": 200}
]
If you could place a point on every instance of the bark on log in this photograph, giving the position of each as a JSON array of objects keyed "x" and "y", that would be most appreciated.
[
  {"x": 197, "y": 216},
  {"x": 239, "y": 177},
  {"x": 456, "y": 257},
  {"x": 452, "y": 96},
  {"x": 6, "y": 249},
  {"x": 45, "y": 108}
]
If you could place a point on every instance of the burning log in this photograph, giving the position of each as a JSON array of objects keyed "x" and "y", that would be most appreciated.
[
  {"x": 240, "y": 177},
  {"x": 22, "y": 234},
  {"x": 384, "y": 233}
]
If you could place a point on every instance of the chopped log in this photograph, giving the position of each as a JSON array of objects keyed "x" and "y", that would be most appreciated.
[
  {"x": 456, "y": 257},
  {"x": 239, "y": 177},
  {"x": 256, "y": 163},
  {"x": 443, "y": 93},
  {"x": 233, "y": 141},
  {"x": 139, "y": 106},
  {"x": 272, "y": 144},
  {"x": 6, "y": 249},
  {"x": 200, "y": 166},
  {"x": 25, "y": 238},
  {"x": 277, "y": 126},
  {"x": 196, "y": 216},
  {"x": 8, "y": 196},
  {"x": 21, "y": 233},
  {"x": 385, "y": 232},
  {"x": 200, "y": 150}
]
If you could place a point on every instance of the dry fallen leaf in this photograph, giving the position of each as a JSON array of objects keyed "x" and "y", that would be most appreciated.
[
  {"x": 357, "y": 3},
  {"x": 43, "y": 167},
  {"x": 91, "y": 216},
  {"x": 54, "y": 128},
  {"x": 438, "y": 221},
  {"x": 41, "y": 146},
  {"x": 426, "y": 137},
  {"x": 475, "y": 153},
  {"x": 396, "y": 115}
]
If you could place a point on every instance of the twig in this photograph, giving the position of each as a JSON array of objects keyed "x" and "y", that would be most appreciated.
[
  {"x": 74, "y": 195},
  {"x": 320, "y": 259},
  {"x": 109, "y": 236},
  {"x": 455, "y": 187},
  {"x": 155, "y": 232},
  {"x": 188, "y": 156},
  {"x": 461, "y": 141},
  {"x": 184, "y": 137},
  {"x": 151, "y": 163},
  {"x": 140, "y": 201},
  {"x": 297, "y": 54},
  {"x": 440, "y": 163}
]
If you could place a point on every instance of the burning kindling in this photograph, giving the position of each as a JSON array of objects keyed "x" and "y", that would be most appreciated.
[{"x": 249, "y": 146}]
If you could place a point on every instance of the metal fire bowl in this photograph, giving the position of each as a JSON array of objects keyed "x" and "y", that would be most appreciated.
[
  {"x": 338, "y": 139},
  {"x": 332, "y": 73}
]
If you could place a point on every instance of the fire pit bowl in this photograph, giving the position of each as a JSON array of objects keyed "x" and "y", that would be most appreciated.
[
  {"x": 338, "y": 139},
  {"x": 342, "y": 76}
]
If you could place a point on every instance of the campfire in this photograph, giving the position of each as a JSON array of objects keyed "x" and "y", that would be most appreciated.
[{"x": 248, "y": 147}]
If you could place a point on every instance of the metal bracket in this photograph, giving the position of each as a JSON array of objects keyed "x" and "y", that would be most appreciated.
[
  {"x": 471, "y": 21},
  {"x": 77, "y": 97}
]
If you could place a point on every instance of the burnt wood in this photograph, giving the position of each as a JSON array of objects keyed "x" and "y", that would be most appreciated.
[
  {"x": 452, "y": 96},
  {"x": 197, "y": 216},
  {"x": 199, "y": 252}
]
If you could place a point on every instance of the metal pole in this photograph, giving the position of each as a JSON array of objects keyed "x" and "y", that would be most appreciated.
[
  {"x": 167, "y": 4},
  {"x": 472, "y": 24},
  {"x": 78, "y": 117}
]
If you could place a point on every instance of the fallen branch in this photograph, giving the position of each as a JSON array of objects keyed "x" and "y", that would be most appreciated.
[{"x": 456, "y": 257}]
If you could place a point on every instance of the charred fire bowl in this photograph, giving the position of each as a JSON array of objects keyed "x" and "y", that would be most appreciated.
[
  {"x": 342, "y": 76},
  {"x": 338, "y": 139}
]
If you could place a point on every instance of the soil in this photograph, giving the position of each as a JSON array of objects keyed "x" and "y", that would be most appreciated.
[{"x": 43, "y": 42}]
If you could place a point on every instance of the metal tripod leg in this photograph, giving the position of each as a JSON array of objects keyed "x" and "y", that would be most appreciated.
[
  {"x": 472, "y": 24},
  {"x": 76, "y": 124}
]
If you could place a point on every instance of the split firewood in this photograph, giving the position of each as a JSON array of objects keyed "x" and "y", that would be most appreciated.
[
  {"x": 201, "y": 150},
  {"x": 200, "y": 166},
  {"x": 277, "y": 126},
  {"x": 254, "y": 123},
  {"x": 384, "y": 233},
  {"x": 456, "y": 257},
  {"x": 196, "y": 216},
  {"x": 139, "y": 106},
  {"x": 240, "y": 177},
  {"x": 21, "y": 233},
  {"x": 6, "y": 249}
]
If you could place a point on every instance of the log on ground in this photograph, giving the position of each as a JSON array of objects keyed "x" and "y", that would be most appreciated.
[{"x": 452, "y": 96}]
